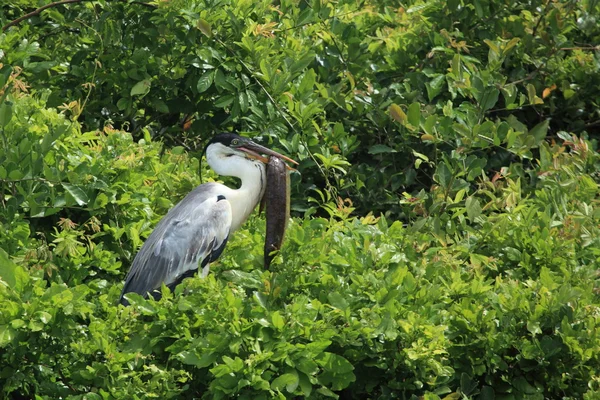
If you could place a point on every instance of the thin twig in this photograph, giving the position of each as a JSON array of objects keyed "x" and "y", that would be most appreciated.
[
  {"x": 36, "y": 179},
  {"x": 590, "y": 48},
  {"x": 528, "y": 77},
  {"x": 510, "y": 109},
  {"x": 592, "y": 124}
]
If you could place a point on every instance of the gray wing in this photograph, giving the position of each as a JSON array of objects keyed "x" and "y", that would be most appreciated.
[{"x": 195, "y": 230}]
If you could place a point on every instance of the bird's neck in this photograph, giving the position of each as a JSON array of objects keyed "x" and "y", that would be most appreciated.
[
  {"x": 245, "y": 199},
  {"x": 252, "y": 173}
]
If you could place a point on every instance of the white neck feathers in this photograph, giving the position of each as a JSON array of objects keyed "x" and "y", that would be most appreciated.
[{"x": 227, "y": 162}]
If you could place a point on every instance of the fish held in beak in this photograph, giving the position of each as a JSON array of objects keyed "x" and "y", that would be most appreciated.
[{"x": 277, "y": 202}]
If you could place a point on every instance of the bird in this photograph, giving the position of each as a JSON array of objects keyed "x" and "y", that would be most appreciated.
[{"x": 195, "y": 231}]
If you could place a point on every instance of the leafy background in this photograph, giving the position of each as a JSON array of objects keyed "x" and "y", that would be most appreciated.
[{"x": 445, "y": 239}]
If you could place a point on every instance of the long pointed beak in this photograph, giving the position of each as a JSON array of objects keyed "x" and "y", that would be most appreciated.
[{"x": 256, "y": 151}]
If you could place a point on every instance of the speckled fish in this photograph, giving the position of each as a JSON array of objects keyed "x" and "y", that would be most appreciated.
[{"x": 277, "y": 202}]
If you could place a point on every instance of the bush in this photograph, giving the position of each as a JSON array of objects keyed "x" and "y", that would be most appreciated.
[{"x": 446, "y": 229}]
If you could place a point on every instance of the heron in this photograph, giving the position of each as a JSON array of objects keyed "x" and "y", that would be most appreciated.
[{"x": 195, "y": 231}]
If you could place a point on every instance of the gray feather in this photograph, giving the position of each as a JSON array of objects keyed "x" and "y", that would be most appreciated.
[{"x": 192, "y": 232}]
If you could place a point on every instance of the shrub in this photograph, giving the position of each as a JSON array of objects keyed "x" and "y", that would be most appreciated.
[{"x": 445, "y": 236}]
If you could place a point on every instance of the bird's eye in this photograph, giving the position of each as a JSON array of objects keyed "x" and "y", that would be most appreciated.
[{"x": 235, "y": 142}]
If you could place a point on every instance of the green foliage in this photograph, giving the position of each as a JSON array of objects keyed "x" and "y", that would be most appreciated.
[
  {"x": 462, "y": 133},
  {"x": 494, "y": 295},
  {"x": 489, "y": 80}
]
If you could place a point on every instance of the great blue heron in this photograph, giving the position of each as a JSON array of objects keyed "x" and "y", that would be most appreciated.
[{"x": 196, "y": 230}]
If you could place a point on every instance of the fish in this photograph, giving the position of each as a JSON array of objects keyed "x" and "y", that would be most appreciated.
[{"x": 277, "y": 203}]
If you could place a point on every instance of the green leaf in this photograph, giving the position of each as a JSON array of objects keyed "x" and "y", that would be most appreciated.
[
  {"x": 531, "y": 94},
  {"x": 123, "y": 103},
  {"x": 414, "y": 114},
  {"x": 7, "y": 334},
  {"x": 58, "y": 294},
  {"x": 17, "y": 323},
  {"x": 337, "y": 371},
  {"x": 77, "y": 193},
  {"x": 487, "y": 393},
  {"x": 140, "y": 303},
  {"x": 489, "y": 98},
  {"x": 141, "y": 88},
  {"x": 434, "y": 87},
  {"x": 473, "y": 208},
  {"x": 540, "y": 131},
  {"x": 337, "y": 300},
  {"x": 442, "y": 175},
  {"x": 521, "y": 384},
  {"x": 15, "y": 175},
  {"x": 7, "y": 269},
  {"x": 305, "y": 385},
  {"x": 220, "y": 80},
  {"x": 5, "y": 113},
  {"x": 12, "y": 274},
  {"x": 190, "y": 358},
  {"x": 205, "y": 82},
  {"x": 509, "y": 92},
  {"x": 307, "y": 365},
  {"x": 305, "y": 16},
  {"x": 512, "y": 43},
  {"x": 302, "y": 63},
  {"x": 43, "y": 316},
  {"x": 467, "y": 385},
  {"x": 243, "y": 100},
  {"x": 289, "y": 380},
  {"x": 160, "y": 105},
  {"x": 246, "y": 279},
  {"x": 335, "y": 363},
  {"x": 224, "y": 101},
  {"x": 493, "y": 47},
  {"x": 534, "y": 327},
  {"x": 327, "y": 393},
  {"x": 380, "y": 148},
  {"x": 308, "y": 81},
  {"x": 204, "y": 27},
  {"x": 101, "y": 201},
  {"x": 261, "y": 299},
  {"x": 277, "y": 320},
  {"x": 388, "y": 327}
]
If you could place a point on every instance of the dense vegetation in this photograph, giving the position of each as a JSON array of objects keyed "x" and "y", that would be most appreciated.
[{"x": 446, "y": 232}]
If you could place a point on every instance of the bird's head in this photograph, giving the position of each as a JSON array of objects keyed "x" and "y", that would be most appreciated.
[{"x": 225, "y": 145}]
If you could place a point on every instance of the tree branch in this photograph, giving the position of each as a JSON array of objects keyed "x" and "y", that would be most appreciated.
[
  {"x": 58, "y": 3},
  {"x": 37, "y": 11}
]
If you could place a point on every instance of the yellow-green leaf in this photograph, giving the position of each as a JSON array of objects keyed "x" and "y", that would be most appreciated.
[
  {"x": 397, "y": 114},
  {"x": 277, "y": 320},
  {"x": 204, "y": 27},
  {"x": 141, "y": 88}
]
